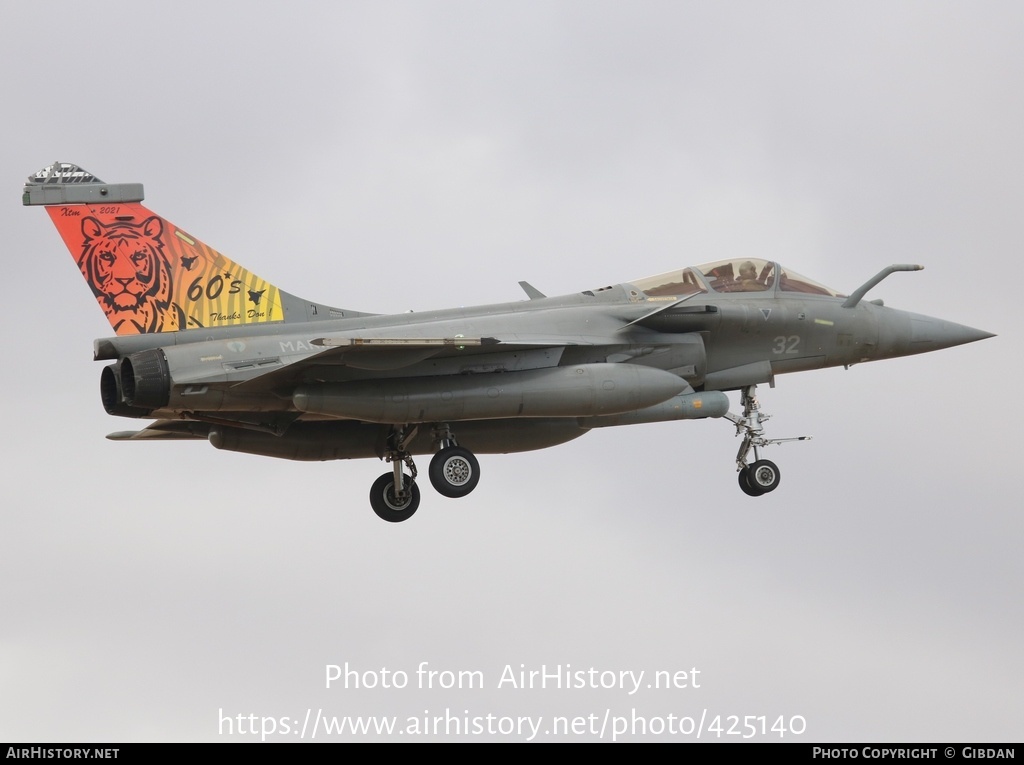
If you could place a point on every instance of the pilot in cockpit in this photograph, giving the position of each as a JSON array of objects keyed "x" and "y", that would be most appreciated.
[{"x": 748, "y": 278}]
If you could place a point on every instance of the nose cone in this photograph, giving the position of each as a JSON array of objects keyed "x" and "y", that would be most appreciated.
[
  {"x": 928, "y": 334},
  {"x": 901, "y": 333}
]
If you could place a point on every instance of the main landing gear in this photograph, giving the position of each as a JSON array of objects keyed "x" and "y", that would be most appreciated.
[
  {"x": 454, "y": 472},
  {"x": 760, "y": 476},
  {"x": 395, "y": 496}
]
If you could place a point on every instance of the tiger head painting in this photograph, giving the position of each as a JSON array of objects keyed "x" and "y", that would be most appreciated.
[{"x": 124, "y": 264}]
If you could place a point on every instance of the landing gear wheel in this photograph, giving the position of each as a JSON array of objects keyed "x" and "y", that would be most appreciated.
[
  {"x": 454, "y": 471},
  {"x": 387, "y": 506},
  {"x": 763, "y": 476},
  {"x": 744, "y": 481}
]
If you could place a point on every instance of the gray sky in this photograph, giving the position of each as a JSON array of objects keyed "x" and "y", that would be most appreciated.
[{"x": 396, "y": 156}]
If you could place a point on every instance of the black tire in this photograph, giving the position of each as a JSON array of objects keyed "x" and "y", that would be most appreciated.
[
  {"x": 744, "y": 481},
  {"x": 454, "y": 472},
  {"x": 384, "y": 504},
  {"x": 764, "y": 476}
]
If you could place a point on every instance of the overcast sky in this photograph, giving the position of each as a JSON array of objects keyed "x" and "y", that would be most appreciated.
[{"x": 390, "y": 156}]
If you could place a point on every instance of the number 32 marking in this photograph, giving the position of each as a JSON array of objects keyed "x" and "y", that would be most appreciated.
[{"x": 785, "y": 344}]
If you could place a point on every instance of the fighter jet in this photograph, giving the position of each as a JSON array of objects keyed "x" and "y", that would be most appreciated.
[{"x": 212, "y": 352}]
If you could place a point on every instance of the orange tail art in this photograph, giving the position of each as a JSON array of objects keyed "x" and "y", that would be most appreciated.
[{"x": 146, "y": 273}]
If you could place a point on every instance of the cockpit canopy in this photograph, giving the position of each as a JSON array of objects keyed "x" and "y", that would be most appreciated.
[{"x": 737, "y": 275}]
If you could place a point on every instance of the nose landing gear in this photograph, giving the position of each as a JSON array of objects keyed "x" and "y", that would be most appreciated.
[{"x": 760, "y": 476}]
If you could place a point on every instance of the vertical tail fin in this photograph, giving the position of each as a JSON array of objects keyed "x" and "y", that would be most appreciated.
[{"x": 146, "y": 273}]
